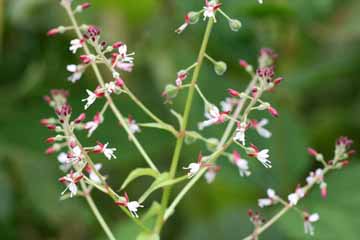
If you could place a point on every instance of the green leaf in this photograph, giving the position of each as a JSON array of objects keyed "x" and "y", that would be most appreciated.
[
  {"x": 139, "y": 172},
  {"x": 161, "y": 181}
]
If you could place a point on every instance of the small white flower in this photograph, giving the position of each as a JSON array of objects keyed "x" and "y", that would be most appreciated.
[
  {"x": 262, "y": 155},
  {"x": 124, "y": 56},
  {"x": 132, "y": 206},
  {"x": 75, "y": 44},
  {"x": 260, "y": 1},
  {"x": 65, "y": 163},
  {"x": 316, "y": 176},
  {"x": 103, "y": 148},
  {"x": 242, "y": 164},
  {"x": 271, "y": 200},
  {"x": 193, "y": 169},
  {"x": 133, "y": 126},
  {"x": 259, "y": 127},
  {"x": 240, "y": 133},
  {"x": 90, "y": 99},
  {"x": 92, "y": 175},
  {"x": 91, "y": 126},
  {"x": 75, "y": 155},
  {"x": 110, "y": 87},
  {"x": 70, "y": 180},
  {"x": 213, "y": 115},
  {"x": 308, "y": 220},
  {"x": 227, "y": 104},
  {"x": 77, "y": 72},
  {"x": 296, "y": 196},
  {"x": 210, "y": 9}
]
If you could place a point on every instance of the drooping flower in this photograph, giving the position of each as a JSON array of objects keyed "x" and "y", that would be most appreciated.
[
  {"x": 259, "y": 127},
  {"x": 214, "y": 116},
  {"x": 76, "y": 70},
  {"x": 91, "y": 126},
  {"x": 211, "y": 173},
  {"x": 195, "y": 167},
  {"x": 132, "y": 206},
  {"x": 70, "y": 180},
  {"x": 262, "y": 155},
  {"x": 92, "y": 174},
  {"x": 241, "y": 163},
  {"x": 75, "y": 44},
  {"x": 184, "y": 25},
  {"x": 103, "y": 148},
  {"x": 124, "y": 56},
  {"x": 270, "y": 200},
  {"x": 240, "y": 133},
  {"x": 92, "y": 96},
  {"x": 308, "y": 220},
  {"x": 210, "y": 8},
  {"x": 133, "y": 126}
]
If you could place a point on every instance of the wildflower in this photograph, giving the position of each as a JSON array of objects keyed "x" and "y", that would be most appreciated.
[
  {"x": 75, "y": 154},
  {"x": 127, "y": 67},
  {"x": 132, "y": 206},
  {"x": 195, "y": 167},
  {"x": 273, "y": 111},
  {"x": 259, "y": 127},
  {"x": 296, "y": 196},
  {"x": 184, "y": 25},
  {"x": 93, "y": 125},
  {"x": 75, "y": 44},
  {"x": 110, "y": 87},
  {"x": 262, "y": 155},
  {"x": 70, "y": 180},
  {"x": 92, "y": 174},
  {"x": 210, "y": 8},
  {"x": 255, "y": 218},
  {"x": 76, "y": 70},
  {"x": 124, "y": 56},
  {"x": 80, "y": 118},
  {"x": 240, "y": 133},
  {"x": 103, "y": 148},
  {"x": 211, "y": 173},
  {"x": 65, "y": 163},
  {"x": 271, "y": 200},
  {"x": 92, "y": 96},
  {"x": 133, "y": 126},
  {"x": 213, "y": 115},
  {"x": 308, "y": 220},
  {"x": 227, "y": 105},
  {"x": 86, "y": 59},
  {"x": 181, "y": 76},
  {"x": 241, "y": 163},
  {"x": 315, "y": 177}
]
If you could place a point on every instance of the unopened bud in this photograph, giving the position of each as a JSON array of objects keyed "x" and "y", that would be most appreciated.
[
  {"x": 234, "y": 24},
  {"x": 220, "y": 68},
  {"x": 193, "y": 17}
]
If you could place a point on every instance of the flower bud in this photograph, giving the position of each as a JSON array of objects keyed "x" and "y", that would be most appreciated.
[
  {"x": 233, "y": 92},
  {"x": 193, "y": 17},
  {"x": 170, "y": 91},
  {"x": 220, "y": 68},
  {"x": 235, "y": 25}
]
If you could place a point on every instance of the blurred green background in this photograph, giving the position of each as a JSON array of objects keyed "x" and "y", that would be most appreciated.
[{"x": 319, "y": 47}]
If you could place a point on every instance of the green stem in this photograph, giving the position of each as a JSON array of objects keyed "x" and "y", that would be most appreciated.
[
  {"x": 180, "y": 139},
  {"x": 113, "y": 107},
  {"x": 213, "y": 61}
]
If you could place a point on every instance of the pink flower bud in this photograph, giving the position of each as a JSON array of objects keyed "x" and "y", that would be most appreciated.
[
  {"x": 72, "y": 144},
  {"x": 119, "y": 82},
  {"x": 243, "y": 63},
  {"x": 85, "y": 59},
  {"x": 233, "y": 92},
  {"x": 53, "y": 32},
  {"x": 85, "y": 5},
  {"x": 50, "y": 150},
  {"x": 44, "y": 121},
  {"x": 117, "y": 44},
  {"x": 273, "y": 111},
  {"x": 323, "y": 188},
  {"x": 51, "y": 127},
  {"x": 47, "y": 99},
  {"x": 50, "y": 140},
  {"x": 312, "y": 152},
  {"x": 345, "y": 163},
  {"x": 80, "y": 118},
  {"x": 278, "y": 80}
]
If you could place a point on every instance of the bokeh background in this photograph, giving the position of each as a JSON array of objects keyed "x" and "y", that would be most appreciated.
[{"x": 318, "y": 44}]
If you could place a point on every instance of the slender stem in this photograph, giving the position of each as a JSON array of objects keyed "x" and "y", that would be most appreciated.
[
  {"x": 113, "y": 107},
  {"x": 180, "y": 140},
  {"x": 97, "y": 213},
  {"x": 213, "y": 61},
  {"x": 201, "y": 95}
]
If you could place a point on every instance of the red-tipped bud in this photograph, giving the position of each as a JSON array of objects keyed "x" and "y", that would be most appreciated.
[
  {"x": 50, "y": 150},
  {"x": 50, "y": 140},
  {"x": 80, "y": 118},
  {"x": 273, "y": 111},
  {"x": 47, "y": 99},
  {"x": 51, "y": 127},
  {"x": 85, "y": 5},
  {"x": 250, "y": 212},
  {"x": 85, "y": 59},
  {"x": 53, "y": 32},
  {"x": 323, "y": 188},
  {"x": 117, "y": 44},
  {"x": 278, "y": 80},
  {"x": 233, "y": 92},
  {"x": 243, "y": 63},
  {"x": 119, "y": 82},
  {"x": 72, "y": 144},
  {"x": 44, "y": 121},
  {"x": 312, "y": 152}
]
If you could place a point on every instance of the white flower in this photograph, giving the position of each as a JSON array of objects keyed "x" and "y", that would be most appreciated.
[
  {"x": 210, "y": 9},
  {"x": 315, "y": 177},
  {"x": 240, "y": 133},
  {"x": 133, "y": 126},
  {"x": 76, "y": 71},
  {"x": 65, "y": 163},
  {"x": 91, "y": 126},
  {"x": 242, "y": 164},
  {"x": 259, "y": 127},
  {"x": 75, "y": 154},
  {"x": 211, "y": 173},
  {"x": 127, "y": 67},
  {"x": 227, "y": 104},
  {"x": 90, "y": 99},
  {"x": 132, "y": 206},
  {"x": 262, "y": 155},
  {"x": 70, "y": 180},
  {"x": 308, "y": 220},
  {"x": 110, "y": 87},
  {"x": 75, "y": 44},
  {"x": 102, "y": 148},
  {"x": 272, "y": 199},
  {"x": 92, "y": 175},
  {"x": 193, "y": 169},
  {"x": 213, "y": 115},
  {"x": 124, "y": 56},
  {"x": 296, "y": 196}
]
